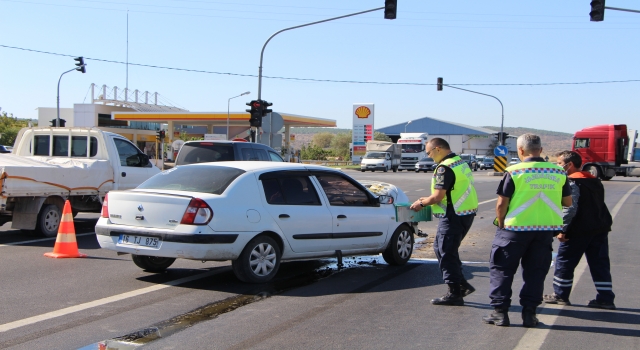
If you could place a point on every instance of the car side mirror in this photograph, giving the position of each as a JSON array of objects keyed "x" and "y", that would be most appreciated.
[
  {"x": 384, "y": 199},
  {"x": 144, "y": 160}
]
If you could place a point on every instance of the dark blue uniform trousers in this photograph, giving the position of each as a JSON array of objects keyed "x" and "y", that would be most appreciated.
[
  {"x": 532, "y": 249},
  {"x": 451, "y": 231},
  {"x": 596, "y": 249}
]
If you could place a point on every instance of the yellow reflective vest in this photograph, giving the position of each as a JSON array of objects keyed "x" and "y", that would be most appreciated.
[
  {"x": 463, "y": 194},
  {"x": 536, "y": 204}
]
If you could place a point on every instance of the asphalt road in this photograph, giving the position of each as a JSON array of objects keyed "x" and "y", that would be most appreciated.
[{"x": 76, "y": 303}]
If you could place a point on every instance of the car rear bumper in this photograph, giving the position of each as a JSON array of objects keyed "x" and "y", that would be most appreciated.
[{"x": 206, "y": 245}]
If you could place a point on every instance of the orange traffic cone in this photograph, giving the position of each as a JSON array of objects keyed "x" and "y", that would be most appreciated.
[{"x": 66, "y": 245}]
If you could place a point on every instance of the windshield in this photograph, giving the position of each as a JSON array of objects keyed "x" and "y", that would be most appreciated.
[
  {"x": 201, "y": 152},
  {"x": 465, "y": 156},
  {"x": 375, "y": 155},
  {"x": 426, "y": 159},
  {"x": 412, "y": 148},
  {"x": 194, "y": 178}
]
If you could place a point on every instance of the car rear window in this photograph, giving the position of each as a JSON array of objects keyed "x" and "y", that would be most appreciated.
[
  {"x": 203, "y": 152},
  {"x": 194, "y": 178}
]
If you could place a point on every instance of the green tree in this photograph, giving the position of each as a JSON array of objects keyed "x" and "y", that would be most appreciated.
[
  {"x": 313, "y": 152},
  {"x": 340, "y": 145},
  {"x": 380, "y": 136},
  {"x": 322, "y": 139},
  {"x": 9, "y": 128}
]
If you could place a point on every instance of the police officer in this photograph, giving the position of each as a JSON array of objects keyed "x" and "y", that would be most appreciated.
[
  {"x": 586, "y": 229},
  {"x": 453, "y": 199},
  {"x": 529, "y": 211}
]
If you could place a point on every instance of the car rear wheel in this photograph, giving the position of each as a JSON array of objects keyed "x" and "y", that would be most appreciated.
[
  {"x": 400, "y": 247},
  {"x": 259, "y": 261},
  {"x": 152, "y": 263},
  {"x": 49, "y": 220}
]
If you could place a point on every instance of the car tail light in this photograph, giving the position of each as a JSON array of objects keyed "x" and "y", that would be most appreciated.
[
  {"x": 198, "y": 213},
  {"x": 105, "y": 206}
]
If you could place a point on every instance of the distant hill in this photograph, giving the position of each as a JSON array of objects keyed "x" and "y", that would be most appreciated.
[{"x": 552, "y": 141}]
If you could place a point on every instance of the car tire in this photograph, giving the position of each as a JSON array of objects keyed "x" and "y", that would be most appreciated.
[
  {"x": 594, "y": 170},
  {"x": 362, "y": 170},
  {"x": 400, "y": 246},
  {"x": 49, "y": 220},
  {"x": 399, "y": 169},
  {"x": 152, "y": 263},
  {"x": 417, "y": 171},
  {"x": 259, "y": 261},
  {"x": 386, "y": 169},
  {"x": 395, "y": 169}
]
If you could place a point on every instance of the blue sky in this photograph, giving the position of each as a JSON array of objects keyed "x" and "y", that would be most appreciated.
[{"x": 463, "y": 41}]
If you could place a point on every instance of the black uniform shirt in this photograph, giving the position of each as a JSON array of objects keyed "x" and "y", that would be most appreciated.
[
  {"x": 444, "y": 176},
  {"x": 507, "y": 187}
]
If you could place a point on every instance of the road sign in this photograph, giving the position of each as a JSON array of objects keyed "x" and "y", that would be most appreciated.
[
  {"x": 499, "y": 164},
  {"x": 500, "y": 151}
]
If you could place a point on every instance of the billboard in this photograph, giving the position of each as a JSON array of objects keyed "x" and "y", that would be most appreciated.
[{"x": 362, "y": 115}]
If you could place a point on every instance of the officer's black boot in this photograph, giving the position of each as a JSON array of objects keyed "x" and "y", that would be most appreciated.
[
  {"x": 499, "y": 317},
  {"x": 529, "y": 318},
  {"x": 466, "y": 288},
  {"x": 453, "y": 297}
]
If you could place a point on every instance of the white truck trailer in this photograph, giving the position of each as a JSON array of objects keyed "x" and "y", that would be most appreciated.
[
  {"x": 50, "y": 165},
  {"x": 413, "y": 149},
  {"x": 381, "y": 155}
]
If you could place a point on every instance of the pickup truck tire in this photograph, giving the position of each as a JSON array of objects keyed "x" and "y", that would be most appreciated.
[
  {"x": 49, "y": 220},
  {"x": 152, "y": 263},
  {"x": 395, "y": 169},
  {"x": 385, "y": 169},
  {"x": 362, "y": 170},
  {"x": 400, "y": 246}
]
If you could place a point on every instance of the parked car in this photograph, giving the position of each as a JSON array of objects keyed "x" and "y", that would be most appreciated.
[
  {"x": 255, "y": 214},
  {"x": 487, "y": 163},
  {"x": 219, "y": 151},
  {"x": 471, "y": 161},
  {"x": 514, "y": 161},
  {"x": 426, "y": 164},
  {"x": 5, "y": 149}
]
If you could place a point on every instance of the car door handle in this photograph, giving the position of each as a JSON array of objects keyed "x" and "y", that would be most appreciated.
[
  {"x": 124, "y": 174},
  {"x": 342, "y": 216},
  {"x": 283, "y": 216}
]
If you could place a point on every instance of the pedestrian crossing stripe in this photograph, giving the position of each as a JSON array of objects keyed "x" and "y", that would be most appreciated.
[{"x": 500, "y": 164}]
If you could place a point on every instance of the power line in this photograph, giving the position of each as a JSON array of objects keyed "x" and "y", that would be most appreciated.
[{"x": 324, "y": 80}]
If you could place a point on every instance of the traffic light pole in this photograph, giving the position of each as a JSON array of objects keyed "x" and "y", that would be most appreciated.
[
  {"x": 58, "y": 104},
  {"x": 501, "y": 139},
  {"x": 254, "y": 129}
]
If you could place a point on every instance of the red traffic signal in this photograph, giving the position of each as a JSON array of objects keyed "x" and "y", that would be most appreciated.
[
  {"x": 390, "y": 9},
  {"x": 597, "y": 11}
]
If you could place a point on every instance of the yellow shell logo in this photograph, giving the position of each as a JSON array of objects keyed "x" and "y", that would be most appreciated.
[{"x": 363, "y": 112}]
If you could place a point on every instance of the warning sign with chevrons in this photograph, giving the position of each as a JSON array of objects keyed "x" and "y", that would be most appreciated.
[{"x": 499, "y": 164}]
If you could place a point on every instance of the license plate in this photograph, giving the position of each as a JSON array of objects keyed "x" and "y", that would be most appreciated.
[{"x": 151, "y": 242}]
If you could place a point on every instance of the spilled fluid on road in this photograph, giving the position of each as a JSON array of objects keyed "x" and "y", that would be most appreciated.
[{"x": 314, "y": 272}]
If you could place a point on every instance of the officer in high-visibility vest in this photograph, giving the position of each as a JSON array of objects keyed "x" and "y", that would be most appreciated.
[
  {"x": 529, "y": 211},
  {"x": 453, "y": 199}
]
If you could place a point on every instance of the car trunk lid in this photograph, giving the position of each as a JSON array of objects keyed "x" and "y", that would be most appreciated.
[{"x": 147, "y": 209}]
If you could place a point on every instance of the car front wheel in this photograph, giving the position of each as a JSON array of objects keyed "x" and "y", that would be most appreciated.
[
  {"x": 259, "y": 261},
  {"x": 152, "y": 263},
  {"x": 400, "y": 247}
]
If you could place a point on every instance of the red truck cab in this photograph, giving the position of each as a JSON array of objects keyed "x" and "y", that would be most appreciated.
[{"x": 603, "y": 149}]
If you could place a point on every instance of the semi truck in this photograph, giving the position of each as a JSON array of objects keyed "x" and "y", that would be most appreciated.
[
  {"x": 413, "y": 149},
  {"x": 381, "y": 155},
  {"x": 608, "y": 150}
]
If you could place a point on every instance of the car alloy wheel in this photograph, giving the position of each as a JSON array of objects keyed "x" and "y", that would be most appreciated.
[
  {"x": 259, "y": 260},
  {"x": 404, "y": 244},
  {"x": 400, "y": 247},
  {"x": 263, "y": 259}
]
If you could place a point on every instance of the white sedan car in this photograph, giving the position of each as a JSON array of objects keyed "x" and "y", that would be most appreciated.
[{"x": 255, "y": 214}]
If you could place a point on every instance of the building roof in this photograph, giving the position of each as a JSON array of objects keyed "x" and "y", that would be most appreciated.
[
  {"x": 435, "y": 127},
  {"x": 218, "y": 118}
]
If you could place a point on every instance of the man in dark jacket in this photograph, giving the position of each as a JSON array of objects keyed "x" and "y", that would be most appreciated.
[{"x": 586, "y": 228}]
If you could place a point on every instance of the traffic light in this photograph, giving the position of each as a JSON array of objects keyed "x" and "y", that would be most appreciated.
[
  {"x": 502, "y": 137},
  {"x": 597, "y": 11},
  {"x": 390, "y": 7},
  {"x": 160, "y": 134},
  {"x": 255, "y": 118},
  {"x": 266, "y": 104},
  {"x": 80, "y": 64},
  {"x": 439, "y": 85}
]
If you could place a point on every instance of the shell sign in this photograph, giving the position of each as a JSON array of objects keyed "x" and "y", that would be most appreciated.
[{"x": 363, "y": 112}]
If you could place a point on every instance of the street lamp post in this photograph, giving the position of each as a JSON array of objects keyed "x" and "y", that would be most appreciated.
[
  {"x": 228, "y": 103},
  {"x": 405, "y": 126}
]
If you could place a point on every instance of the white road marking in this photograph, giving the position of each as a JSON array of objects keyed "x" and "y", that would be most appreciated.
[
  {"x": 535, "y": 337},
  {"x": 40, "y": 240},
  {"x": 53, "y": 314},
  {"x": 430, "y": 260},
  {"x": 422, "y": 189},
  {"x": 490, "y": 200}
]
